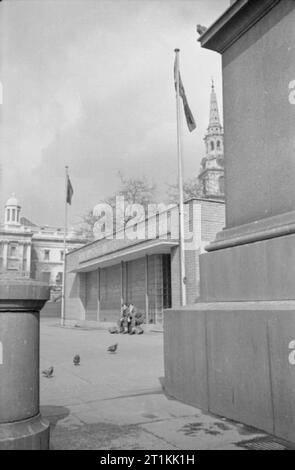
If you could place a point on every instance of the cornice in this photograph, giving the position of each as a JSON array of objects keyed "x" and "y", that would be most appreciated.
[{"x": 235, "y": 22}]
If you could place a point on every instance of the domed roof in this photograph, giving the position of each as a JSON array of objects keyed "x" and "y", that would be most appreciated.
[{"x": 12, "y": 201}]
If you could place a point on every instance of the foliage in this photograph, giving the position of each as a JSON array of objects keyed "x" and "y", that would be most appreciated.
[
  {"x": 192, "y": 188},
  {"x": 134, "y": 190}
]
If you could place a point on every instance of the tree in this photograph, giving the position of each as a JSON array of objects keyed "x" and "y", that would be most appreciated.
[
  {"x": 192, "y": 188},
  {"x": 134, "y": 190},
  {"x": 86, "y": 227}
]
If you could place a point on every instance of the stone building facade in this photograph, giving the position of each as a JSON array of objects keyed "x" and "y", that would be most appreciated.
[
  {"x": 15, "y": 242},
  {"x": 30, "y": 251}
]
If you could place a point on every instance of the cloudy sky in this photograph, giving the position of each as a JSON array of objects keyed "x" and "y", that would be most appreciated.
[{"x": 89, "y": 84}]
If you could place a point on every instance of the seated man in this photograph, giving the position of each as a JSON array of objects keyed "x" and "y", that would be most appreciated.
[
  {"x": 123, "y": 324},
  {"x": 131, "y": 318}
]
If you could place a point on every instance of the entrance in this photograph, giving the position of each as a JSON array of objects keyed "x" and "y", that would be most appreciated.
[{"x": 166, "y": 271}]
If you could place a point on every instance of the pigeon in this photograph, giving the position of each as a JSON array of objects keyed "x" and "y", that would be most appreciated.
[
  {"x": 201, "y": 29},
  {"x": 113, "y": 348},
  {"x": 48, "y": 373},
  {"x": 76, "y": 360}
]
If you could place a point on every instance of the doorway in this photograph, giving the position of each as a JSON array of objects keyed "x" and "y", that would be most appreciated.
[{"x": 166, "y": 275}]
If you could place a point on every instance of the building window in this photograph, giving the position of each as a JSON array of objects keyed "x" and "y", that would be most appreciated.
[
  {"x": 59, "y": 279},
  {"x": 212, "y": 146},
  {"x": 13, "y": 215},
  {"x": 62, "y": 255},
  {"x": 218, "y": 144},
  {"x": 46, "y": 255},
  {"x": 8, "y": 215},
  {"x": 12, "y": 250}
]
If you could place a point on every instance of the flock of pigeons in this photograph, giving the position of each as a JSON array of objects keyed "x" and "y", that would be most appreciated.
[{"x": 48, "y": 373}]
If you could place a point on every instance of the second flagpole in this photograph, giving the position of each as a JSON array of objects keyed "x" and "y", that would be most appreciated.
[
  {"x": 180, "y": 185},
  {"x": 63, "y": 297}
]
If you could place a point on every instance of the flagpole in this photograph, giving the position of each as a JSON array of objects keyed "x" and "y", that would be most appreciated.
[
  {"x": 63, "y": 297},
  {"x": 180, "y": 186}
]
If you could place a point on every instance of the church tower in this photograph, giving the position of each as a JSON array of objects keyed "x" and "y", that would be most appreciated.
[
  {"x": 12, "y": 213},
  {"x": 212, "y": 167}
]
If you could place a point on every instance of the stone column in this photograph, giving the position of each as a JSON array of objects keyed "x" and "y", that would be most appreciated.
[
  {"x": 146, "y": 279},
  {"x": 122, "y": 282},
  {"x": 98, "y": 294},
  {"x": 28, "y": 267},
  {"x": 21, "y": 425},
  {"x": 5, "y": 253},
  {"x": 21, "y": 254}
]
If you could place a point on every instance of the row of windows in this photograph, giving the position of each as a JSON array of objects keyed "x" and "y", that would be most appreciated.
[
  {"x": 12, "y": 251},
  {"x": 12, "y": 215},
  {"x": 218, "y": 145},
  {"x": 47, "y": 255}
]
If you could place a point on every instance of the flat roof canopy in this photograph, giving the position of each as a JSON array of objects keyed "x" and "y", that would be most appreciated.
[{"x": 152, "y": 247}]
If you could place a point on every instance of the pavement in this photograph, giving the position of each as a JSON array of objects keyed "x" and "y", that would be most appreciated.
[{"x": 116, "y": 401}]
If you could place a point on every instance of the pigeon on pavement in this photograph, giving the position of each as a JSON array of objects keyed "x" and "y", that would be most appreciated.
[
  {"x": 113, "y": 348},
  {"x": 48, "y": 373},
  {"x": 76, "y": 360}
]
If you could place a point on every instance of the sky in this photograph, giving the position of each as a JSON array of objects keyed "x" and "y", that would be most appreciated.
[{"x": 89, "y": 84}]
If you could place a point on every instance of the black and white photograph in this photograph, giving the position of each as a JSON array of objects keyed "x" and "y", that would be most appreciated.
[{"x": 147, "y": 228}]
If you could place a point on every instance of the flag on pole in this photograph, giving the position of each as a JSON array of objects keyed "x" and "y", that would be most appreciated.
[
  {"x": 70, "y": 191},
  {"x": 191, "y": 124}
]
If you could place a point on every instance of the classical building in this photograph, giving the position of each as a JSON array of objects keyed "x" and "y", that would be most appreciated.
[
  {"x": 212, "y": 166},
  {"x": 15, "y": 242},
  {"x": 28, "y": 250}
]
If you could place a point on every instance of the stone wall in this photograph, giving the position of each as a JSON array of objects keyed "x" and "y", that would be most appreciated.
[
  {"x": 110, "y": 293},
  {"x": 233, "y": 360}
]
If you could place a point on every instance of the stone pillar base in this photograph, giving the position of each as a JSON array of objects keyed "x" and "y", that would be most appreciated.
[
  {"x": 235, "y": 359},
  {"x": 30, "y": 434}
]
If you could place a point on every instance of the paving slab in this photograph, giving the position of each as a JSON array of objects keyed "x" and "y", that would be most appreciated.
[{"x": 200, "y": 433}]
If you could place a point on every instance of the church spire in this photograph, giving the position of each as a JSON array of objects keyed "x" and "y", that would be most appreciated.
[
  {"x": 212, "y": 166},
  {"x": 214, "y": 120}
]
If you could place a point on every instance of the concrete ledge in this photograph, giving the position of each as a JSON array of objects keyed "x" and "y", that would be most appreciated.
[
  {"x": 261, "y": 271},
  {"x": 22, "y": 295},
  {"x": 31, "y": 434},
  {"x": 237, "y": 19},
  {"x": 23, "y": 289},
  {"x": 265, "y": 305},
  {"x": 263, "y": 229}
]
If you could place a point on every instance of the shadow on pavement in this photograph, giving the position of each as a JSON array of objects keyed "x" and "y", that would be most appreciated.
[{"x": 54, "y": 414}]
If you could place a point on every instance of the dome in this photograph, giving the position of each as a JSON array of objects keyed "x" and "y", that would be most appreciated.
[{"x": 12, "y": 201}]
